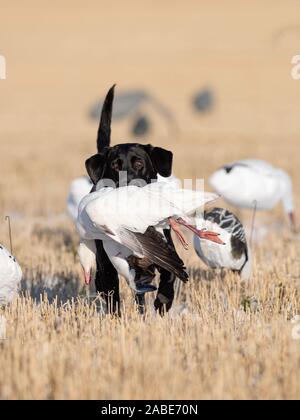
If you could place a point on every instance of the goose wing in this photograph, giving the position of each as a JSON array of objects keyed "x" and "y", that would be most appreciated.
[{"x": 153, "y": 246}]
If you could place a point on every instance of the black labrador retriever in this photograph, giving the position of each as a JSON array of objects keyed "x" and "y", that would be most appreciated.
[{"x": 139, "y": 162}]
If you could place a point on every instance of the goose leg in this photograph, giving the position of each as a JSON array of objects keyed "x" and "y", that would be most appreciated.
[
  {"x": 175, "y": 227},
  {"x": 202, "y": 233}
]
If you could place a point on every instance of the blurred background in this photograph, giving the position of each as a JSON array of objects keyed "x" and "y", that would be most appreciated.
[
  {"x": 214, "y": 80},
  {"x": 209, "y": 80}
]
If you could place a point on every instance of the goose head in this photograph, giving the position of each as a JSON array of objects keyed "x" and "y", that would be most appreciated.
[{"x": 87, "y": 256}]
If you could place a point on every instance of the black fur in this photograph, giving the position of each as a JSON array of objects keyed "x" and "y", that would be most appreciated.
[
  {"x": 140, "y": 162},
  {"x": 104, "y": 131}
]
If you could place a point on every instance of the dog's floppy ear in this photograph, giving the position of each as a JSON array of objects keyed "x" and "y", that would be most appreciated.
[
  {"x": 95, "y": 166},
  {"x": 161, "y": 160}
]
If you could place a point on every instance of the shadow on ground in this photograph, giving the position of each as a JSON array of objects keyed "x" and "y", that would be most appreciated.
[{"x": 59, "y": 286}]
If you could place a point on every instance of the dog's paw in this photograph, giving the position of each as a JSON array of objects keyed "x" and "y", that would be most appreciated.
[{"x": 162, "y": 304}]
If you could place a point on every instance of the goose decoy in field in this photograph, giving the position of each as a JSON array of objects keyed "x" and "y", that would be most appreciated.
[
  {"x": 130, "y": 103},
  {"x": 124, "y": 219},
  {"x": 203, "y": 101},
  {"x": 126, "y": 102},
  {"x": 79, "y": 188},
  {"x": 141, "y": 126},
  {"x": 253, "y": 183},
  {"x": 235, "y": 254},
  {"x": 10, "y": 276}
]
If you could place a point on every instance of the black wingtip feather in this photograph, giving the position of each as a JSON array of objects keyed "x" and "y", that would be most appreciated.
[
  {"x": 104, "y": 130},
  {"x": 161, "y": 254}
]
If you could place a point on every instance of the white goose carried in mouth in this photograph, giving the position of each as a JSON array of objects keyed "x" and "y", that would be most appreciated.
[
  {"x": 252, "y": 182},
  {"x": 235, "y": 254},
  {"x": 82, "y": 186},
  {"x": 10, "y": 276},
  {"x": 124, "y": 219}
]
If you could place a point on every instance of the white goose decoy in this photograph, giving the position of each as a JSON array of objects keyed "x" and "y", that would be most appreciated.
[
  {"x": 250, "y": 182},
  {"x": 235, "y": 254},
  {"x": 79, "y": 188},
  {"x": 124, "y": 219},
  {"x": 10, "y": 276}
]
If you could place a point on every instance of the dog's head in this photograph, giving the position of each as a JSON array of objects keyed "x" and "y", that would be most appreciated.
[{"x": 135, "y": 161}]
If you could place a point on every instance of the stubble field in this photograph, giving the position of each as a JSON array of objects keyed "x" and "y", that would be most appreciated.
[{"x": 223, "y": 338}]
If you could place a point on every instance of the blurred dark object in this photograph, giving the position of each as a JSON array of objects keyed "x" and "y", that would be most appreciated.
[
  {"x": 141, "y": 126},
  {"x": 129, "y": 103},
  {"x": 203, "y": 101},
  {"x": 125, "y": 103}
]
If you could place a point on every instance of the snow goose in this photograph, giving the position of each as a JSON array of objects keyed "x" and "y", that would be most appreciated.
[
  {"x": 10, "y": 276},
  {"x": 124, "y": 219},
  {"x": 252, "y": 182},
  {"x": 79, "y": 188},
  {"x": 235, "y": 254}
]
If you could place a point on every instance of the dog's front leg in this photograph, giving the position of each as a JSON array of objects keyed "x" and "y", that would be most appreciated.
[
  {"x": 107, "y": 280},
  {"x": 165, "y": 294}
]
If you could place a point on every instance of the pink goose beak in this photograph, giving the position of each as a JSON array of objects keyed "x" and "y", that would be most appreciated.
[{"x": 87, "y": 277}]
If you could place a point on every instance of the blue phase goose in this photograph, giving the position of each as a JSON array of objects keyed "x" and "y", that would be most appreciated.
[{"x": 235, "y": 254}]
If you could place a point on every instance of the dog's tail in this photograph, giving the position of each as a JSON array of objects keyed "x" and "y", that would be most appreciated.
[{"x": 103, "y": 137}]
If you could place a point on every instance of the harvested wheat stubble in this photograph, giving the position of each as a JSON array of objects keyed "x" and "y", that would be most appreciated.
[{"x": 222, "y": 340}]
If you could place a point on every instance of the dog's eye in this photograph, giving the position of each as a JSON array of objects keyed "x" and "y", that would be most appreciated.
[
  {"x": 116, "y": 164},
  {"x": 137, "y": 164}
]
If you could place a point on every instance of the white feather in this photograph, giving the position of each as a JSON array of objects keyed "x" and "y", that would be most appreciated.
[
  {"x": 10, "y": 276},
  {"x": 109, "y": 213},
  {"x": 103, "y": 212}
]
